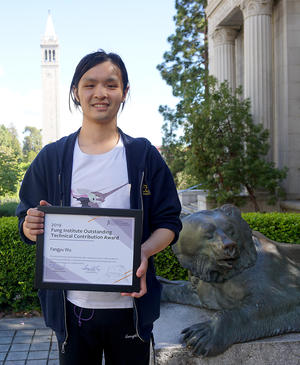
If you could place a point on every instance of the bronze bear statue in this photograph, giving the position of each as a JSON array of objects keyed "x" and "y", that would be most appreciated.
[{"x": 251, "y": 282}]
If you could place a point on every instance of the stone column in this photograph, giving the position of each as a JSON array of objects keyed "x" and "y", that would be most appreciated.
[
  {"x": 224, "y": 55},
  {"x": 258, "y": 60}
]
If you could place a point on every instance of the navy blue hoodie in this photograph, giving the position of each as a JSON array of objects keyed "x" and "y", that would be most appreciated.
[{"x": 152, "y": 190}]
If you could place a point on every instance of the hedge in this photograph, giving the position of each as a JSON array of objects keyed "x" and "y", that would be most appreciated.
[
  {"x": 17, "y": 260},
  {"x": 8, "y": 209},
  {"x": 167, "y": 266},
  {"x": 17, "y": 264},
  {"x": 280, "y": 227}
]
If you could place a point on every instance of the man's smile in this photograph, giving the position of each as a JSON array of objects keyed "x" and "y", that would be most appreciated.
[{"x": 101, "y": 105}]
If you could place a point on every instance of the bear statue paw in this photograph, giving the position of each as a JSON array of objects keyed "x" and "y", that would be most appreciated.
[{"x": 200, "y": 338}]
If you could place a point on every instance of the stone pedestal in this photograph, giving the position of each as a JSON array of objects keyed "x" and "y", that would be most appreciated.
[
  {"x": 279, "y": 350},
  {"x": 194, "y": 200},
  {"x": 292, "y": 206}
]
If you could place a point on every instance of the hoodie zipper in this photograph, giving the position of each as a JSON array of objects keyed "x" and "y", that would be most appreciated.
[
  {"x": 60, "y": 189},
  {"x": 65, "y": 318},
  {"x": 64, "y": 294},
  {"x": 134, "y": 303}
]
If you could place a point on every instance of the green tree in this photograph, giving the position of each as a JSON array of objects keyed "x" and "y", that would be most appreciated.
[
  {"x": 9, "y": 138},
  {"x": 227, "y": 151},
  {"x": 186, "y": 64},
  {"x": 185, "y": 69},
  {"x": 172, "y": 147},
  {"x": 9, "y": 171},
  {"x": 10, "y": 158},
  {"x": 32, "y": 143}
]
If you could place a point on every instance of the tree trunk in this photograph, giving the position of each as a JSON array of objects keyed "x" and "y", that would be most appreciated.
[{"x": 252, "y": 197}]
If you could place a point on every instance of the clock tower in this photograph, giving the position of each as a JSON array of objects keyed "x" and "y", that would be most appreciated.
[{"x": 50, "y": 82}]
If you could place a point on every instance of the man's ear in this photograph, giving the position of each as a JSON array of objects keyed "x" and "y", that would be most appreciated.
[
  {"x": 125, "y": 93},
  {"x": 75, "y": 92}
]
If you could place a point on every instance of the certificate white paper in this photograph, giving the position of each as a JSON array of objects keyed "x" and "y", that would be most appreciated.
[{"x": 94, "y": 250}]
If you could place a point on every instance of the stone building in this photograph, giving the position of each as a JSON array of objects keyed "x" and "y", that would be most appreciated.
[
  {"x": 50, "y": 83},
  {"x": 256, "y": 44}
]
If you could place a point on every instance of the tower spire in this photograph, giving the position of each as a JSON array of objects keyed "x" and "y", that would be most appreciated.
[{"x": 49, "y": 30}]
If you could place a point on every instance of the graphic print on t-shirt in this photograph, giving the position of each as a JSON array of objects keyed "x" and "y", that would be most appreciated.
[{"x": 93, "y": 199}]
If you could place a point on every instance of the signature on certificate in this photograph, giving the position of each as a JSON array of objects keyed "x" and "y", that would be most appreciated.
[{"x": 91, "y": 268}]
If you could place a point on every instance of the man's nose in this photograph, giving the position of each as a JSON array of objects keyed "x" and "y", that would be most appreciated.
[{"x": 100, "y": 91}]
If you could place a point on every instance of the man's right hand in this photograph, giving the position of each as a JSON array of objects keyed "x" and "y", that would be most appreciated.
[{"x": 34, "y": 222}]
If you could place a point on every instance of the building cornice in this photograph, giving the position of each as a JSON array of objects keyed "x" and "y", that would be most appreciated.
[
  {"x": 218, "y": 10},
  {"x": 211, "y": 6}
]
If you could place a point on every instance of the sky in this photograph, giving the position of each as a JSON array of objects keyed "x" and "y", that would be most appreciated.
[{"x": 135, "y": 29}]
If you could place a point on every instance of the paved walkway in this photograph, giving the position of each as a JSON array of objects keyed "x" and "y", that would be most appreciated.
[{"x": 27, "y": 341}]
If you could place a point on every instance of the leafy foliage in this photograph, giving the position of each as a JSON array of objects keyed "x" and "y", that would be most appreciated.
[
  {"x": 10, "y": 157},
  {"x": 13, "y": 163},
  {"x": 9, "y": 139},
  {"x": 280, "y": 227},
  {"x": 9, "y": 171},
  {"x": 186, "y": 62},
  {"x": 185, "y": 69},
  {"x": 32, "y": 143},
  {"x": 167, "y": 265},
  {"x": 17, "y": 262},
  {"x": 226, "y": 150},
  {"x": 8, "y": 209}
]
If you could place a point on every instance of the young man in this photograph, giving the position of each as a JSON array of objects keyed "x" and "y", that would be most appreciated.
[{"x": 100, "y": 166}]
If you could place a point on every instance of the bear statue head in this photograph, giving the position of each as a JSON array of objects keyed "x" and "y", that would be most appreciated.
[{"x": 215, "y": 245}]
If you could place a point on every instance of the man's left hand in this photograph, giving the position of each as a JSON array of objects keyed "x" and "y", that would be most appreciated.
[{"x": 140, "y": 273}]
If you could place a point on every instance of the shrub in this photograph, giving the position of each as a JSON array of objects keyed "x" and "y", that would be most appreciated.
[
  {"x": 17, "y": 265},
  {"x": 280, "y": 227},
  {"x": 167, "y": 266},
  {"x": 8, "y": 209}
]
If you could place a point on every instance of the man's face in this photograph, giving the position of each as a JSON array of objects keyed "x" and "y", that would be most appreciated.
[{"x": 100, "y": 93}]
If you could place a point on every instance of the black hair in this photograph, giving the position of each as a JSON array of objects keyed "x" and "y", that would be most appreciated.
[{"x": 91, "y": 60}]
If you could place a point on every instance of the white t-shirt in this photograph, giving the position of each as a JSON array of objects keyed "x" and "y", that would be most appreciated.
[{"x": 100, "y": 181}]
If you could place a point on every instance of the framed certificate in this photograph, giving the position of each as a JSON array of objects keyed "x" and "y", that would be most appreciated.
[{"x": 89, "y": 249}]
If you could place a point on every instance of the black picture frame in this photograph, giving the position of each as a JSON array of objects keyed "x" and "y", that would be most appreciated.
[{"x": 131, "y": 216}]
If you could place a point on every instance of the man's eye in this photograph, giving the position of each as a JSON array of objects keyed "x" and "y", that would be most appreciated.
[
  {"x": 89, "y": 86},
  {"x": 112, "y": 86}
]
